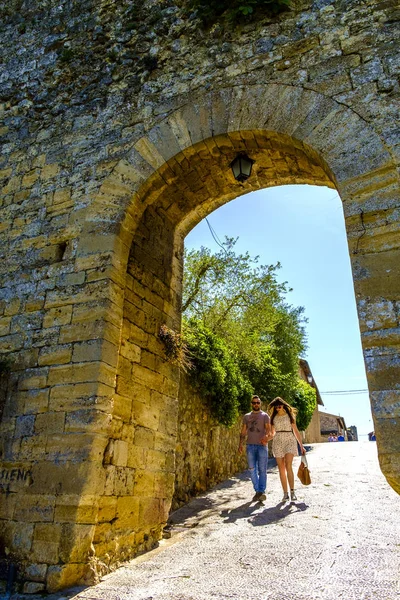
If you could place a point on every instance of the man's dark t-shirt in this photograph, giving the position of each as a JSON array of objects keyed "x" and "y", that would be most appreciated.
[{"x": 255, "y": 422}]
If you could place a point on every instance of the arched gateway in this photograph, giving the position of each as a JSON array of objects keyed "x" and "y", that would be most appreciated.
[{"x": 90, "y": 419}]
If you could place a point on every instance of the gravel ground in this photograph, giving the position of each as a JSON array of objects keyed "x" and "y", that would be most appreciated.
[{"x": 340, "y": 540}]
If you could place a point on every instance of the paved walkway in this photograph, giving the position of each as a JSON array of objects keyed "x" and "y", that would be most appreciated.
[{"x": 340, "y": 540}]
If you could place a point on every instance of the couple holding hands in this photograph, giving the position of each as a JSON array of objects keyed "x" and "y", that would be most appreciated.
[{"x": 259, "y": 427}]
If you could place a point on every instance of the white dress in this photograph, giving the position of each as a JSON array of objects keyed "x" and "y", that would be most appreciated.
[{"x": 284, "y": 441}]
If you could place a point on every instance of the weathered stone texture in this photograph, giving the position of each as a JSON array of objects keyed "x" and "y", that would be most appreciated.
[
  {"x": 206, "y": 451},
  {"x": 118, "y": 124}
]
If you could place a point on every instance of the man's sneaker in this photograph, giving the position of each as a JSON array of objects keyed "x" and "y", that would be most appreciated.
[
  {"x": 256, "y": 496},
  {"x": 285, "y": 497},
  {"x": 262, "y": 497},
  {"x": 293, "y": 496}
]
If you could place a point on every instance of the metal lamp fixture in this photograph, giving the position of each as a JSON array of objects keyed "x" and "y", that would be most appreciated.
[{"x": 241, "y": 167}]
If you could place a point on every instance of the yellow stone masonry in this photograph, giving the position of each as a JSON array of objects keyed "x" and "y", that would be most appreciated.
[{"x": 91, "y": 446}]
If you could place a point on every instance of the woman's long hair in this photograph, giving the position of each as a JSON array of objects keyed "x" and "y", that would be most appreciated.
[{"x": 288, "y": 409}]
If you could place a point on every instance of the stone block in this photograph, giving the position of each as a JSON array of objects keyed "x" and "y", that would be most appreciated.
[
  {"x": 165, "y": 442},
  {"x": 76, "y": 509},
  {"x": 145, "y": 415},
  {"x": 390, "y": 465},
  {"x": 386, "y": 339},
  {"x": 49, "y": 172},
  {"x": 74, "y": 396},
  {"x": 120, "y": 453},
  {"x": 12, "y": 307},
  {"x": 386, "y": 404},
  {"x": 18, "y": 536},
  {"x": 7, "y": 506},
  {"x": 96, "y": 244},
  {"x": 149, "y": 512},
  {"x": 144, "y": 438},
  {"x": 377, "y": 275},
  {"x": 144, "y": 483},
  {"x": 63, "y": 576},
  {"x": 35, "y": 508},
  {"x": 11, "y": 343},
  {"x": 59, "y": 478},
  {"x": 387, "y": 431},
  {"x": 122, "y": 408},
  {"x": 383, "y": 372},
  {"x": 30, "y": 178},
  {"x": 88, "y": 330},
  {"x": 81, "y": 373},
  {"x": 94, "y": 350},
  {"x": 5, "y": 325},
  {"x": 376, "y": 314},
  {"x": 55, "y": 355},
  {"x": 33, "y": 379},
  {"x": 60, "y": 315},
  {"x": 127, "y": 512},
  {"x": 25, "y": 359},
  {"x": 49, "y": 423},
  {"x": 75, "y": 446},
  {"x": 107, "y": 509},
  {"x": 76, "y": 542},
  {"x": 155, "y": 460},
  {"x": 33, "y": 587},
  {"x": 136, "y": 456},
  {"x": 87, "y": 420},
  {"x": 164, "y": 485},
  {"x": 24, "y": 426},
  {"x": 36, "y": 572}
]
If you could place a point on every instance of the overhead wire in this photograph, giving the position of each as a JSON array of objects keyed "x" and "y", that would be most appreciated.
[
  {"x": 343, "y": 392},
  {"x": 215, "y": 236}
]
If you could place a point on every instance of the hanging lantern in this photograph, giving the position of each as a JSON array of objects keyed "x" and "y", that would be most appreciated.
[{"x": 241, "y": 167}]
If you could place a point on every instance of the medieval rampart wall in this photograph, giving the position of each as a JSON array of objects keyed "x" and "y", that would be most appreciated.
[{"x": 118, "y": 124}]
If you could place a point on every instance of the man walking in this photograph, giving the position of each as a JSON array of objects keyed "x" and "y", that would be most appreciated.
[{"x": 256, "y": 426}]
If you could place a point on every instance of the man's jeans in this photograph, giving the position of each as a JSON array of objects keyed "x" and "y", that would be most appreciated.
[{"x": 257, "y": 458}]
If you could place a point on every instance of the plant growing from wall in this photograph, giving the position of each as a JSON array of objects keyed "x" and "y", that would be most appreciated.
[{"x": 176, "y": 350}]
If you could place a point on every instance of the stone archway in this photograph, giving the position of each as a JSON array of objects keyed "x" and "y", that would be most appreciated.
[
  {"x": 108, "y": 494},
  {"x": 335, "y": 148}
]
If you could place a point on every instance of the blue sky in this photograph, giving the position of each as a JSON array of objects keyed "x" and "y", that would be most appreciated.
[{"x": 302, "y": 227}]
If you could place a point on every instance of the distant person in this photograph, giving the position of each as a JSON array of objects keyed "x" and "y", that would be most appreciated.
[
  {"x": 330, "y": 438},
  {"x": 340, "y": 438},
  {"x": 256, "y": 428},
  {"x": 284, "y": 443}
]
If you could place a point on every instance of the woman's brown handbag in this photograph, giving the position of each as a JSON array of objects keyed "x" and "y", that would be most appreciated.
[{"x": 303, "y": 473}]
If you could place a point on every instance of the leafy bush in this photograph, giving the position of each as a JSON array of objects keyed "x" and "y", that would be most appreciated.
[
  {"x": 304, "y": 399},
  {"x": 216, "y": 374}
]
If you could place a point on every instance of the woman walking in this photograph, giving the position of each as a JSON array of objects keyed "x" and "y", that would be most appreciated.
[{"x": 284, "y": 443}]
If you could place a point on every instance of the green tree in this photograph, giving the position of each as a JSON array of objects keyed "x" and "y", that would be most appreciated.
[{"x": 230, "y": 298}]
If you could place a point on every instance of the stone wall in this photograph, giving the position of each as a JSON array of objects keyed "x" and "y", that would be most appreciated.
[
  {"x": 118, "y": 125},
  {"x": 206, "y": 452}
]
